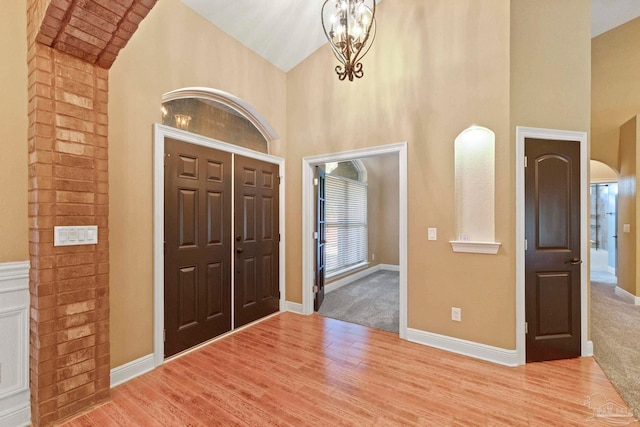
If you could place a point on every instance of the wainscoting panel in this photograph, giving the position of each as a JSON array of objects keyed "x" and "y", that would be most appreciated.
[{"x": 15, "y": 407}]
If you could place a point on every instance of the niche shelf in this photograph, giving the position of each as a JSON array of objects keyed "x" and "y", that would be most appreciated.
[{"x": 475, "y": 191}]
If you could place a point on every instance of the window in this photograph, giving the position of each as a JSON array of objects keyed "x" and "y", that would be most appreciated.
[{"x": 346, "y": 217}]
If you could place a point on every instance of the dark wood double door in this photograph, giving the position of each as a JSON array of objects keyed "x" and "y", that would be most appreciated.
[{"x": 202, "y": 298}]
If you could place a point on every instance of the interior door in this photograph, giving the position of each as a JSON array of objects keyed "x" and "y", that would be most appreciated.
[
  {"x": 552, "y": 260},
  {"x": 197, "y": 291},
  {"x": 257, "y": 238},
  {"x": 321, "y": 237}
]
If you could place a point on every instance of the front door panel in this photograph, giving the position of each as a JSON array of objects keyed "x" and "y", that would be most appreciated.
[
  {"x": 198, "y": 244},
  {"x": 256, "y": 239},
  {"x": 552, "y": 260}
]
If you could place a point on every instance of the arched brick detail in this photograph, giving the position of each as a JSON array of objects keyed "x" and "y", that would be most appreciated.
[{"x": 71, "y": 45}]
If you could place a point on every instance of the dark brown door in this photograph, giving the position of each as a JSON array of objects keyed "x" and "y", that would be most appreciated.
[
  {"x": 256, "y": 240},
  {"x": 552, "y": 260},
  {"x": 321, "y": 237},
  {"x": 197, "y": 290}
]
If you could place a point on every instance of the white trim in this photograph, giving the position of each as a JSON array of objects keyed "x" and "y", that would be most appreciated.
[
  {"x": 293, "y": 307},
  {"x": 308, "y": 209},
  {"x": 467, "y": 348},
  {"x": 347, "y": 271},
  {"x": 557, "y": 135},
  {"x": 20, "y": 416},
  {"x": 611, "y": 270},
  {"x": 244, "y": 108},
  {"x": 490, "y": 248},
  {"x": 589, "y": 349},
  {"x": 389, "y": 267},
  {"x": 12, "y": 275},
  {"x": 160, "y": 132},
  {"x": 330, "y": 287},
  {"x": 128, "y": 371},
  {"x": 622, "y": 293}
]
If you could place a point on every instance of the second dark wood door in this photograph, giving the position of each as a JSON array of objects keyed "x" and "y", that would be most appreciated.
[
  {"x": 256, "y": 239},
  {"x": 552, "y": 257}
]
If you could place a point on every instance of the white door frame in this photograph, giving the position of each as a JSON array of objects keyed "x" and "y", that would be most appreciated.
[
  {"x": 308, "y": 223},
  {"x": 555, "y": 135},
  {"x": 160, "y": 132}
]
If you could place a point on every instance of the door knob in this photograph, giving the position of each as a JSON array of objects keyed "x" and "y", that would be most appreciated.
[
  {"x": 574, "y": 261},
  {"x": 239, "y": 249}
]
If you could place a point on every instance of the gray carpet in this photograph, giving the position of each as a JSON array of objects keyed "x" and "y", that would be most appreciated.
[
  {"x": 615, "y": 332},
  {"x": 371, "y": 301}
]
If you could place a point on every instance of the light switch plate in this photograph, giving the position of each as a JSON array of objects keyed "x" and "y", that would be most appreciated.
[
  {"x": 73, "y": 235},
  {"x": 432, "y": 234}
]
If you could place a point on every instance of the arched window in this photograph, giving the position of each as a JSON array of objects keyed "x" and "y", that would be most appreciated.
[
  {"x": 218, "y": 115},
  {"x": 346, "y": 217}
]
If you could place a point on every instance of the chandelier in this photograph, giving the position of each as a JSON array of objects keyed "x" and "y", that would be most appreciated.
[{"x": 350, "y": 27}]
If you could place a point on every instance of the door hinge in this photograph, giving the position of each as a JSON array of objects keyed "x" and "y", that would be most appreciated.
[
  {"x": 525, "y": 244},
  {"x": 279, "y": 295},
  {"x": 164, "y": 335},
  {"x": 526, "y": 161},
  {"x": 526, "y": 327},
  {"x": 315, "y": 181},
  {"x": 315, "y": 289},
  {"x": 279, "y": 179},
  {"x": 279, "y": 237}
]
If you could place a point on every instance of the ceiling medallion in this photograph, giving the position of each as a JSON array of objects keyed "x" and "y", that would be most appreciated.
[{"x": 350, "y": 27}]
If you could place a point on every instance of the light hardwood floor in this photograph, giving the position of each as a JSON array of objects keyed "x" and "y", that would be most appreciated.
[{"x": 310, "y": 370}]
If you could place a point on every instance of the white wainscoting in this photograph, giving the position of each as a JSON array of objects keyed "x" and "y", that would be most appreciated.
[{"x": 15, "y": 407}]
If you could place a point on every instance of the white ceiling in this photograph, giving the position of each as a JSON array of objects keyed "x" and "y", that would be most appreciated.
[{"x": 285, "y": 32}]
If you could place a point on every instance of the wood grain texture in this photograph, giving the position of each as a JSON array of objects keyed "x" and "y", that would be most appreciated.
[{"x": 309, "y": 370}]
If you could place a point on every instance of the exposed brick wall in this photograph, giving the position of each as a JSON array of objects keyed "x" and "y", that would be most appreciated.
[
  {"x": 94, "y": 30},
  {"x": 70, "y": 49},
  {"x": 68, "y": 185}
]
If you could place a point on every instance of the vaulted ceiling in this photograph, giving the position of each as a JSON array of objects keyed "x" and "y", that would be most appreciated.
[{"x": 285, "y": 32}]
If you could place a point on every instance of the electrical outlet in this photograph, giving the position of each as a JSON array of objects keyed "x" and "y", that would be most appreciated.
[
  {"x": 373, "y": 257},
  {"x": 432, "y": 234},
  {"x": 456, "y": 314}
]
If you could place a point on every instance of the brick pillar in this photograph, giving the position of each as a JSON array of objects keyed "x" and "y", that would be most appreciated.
[
  {"x": 68, "y": 185},
  {"x": 72, "y": 44}
]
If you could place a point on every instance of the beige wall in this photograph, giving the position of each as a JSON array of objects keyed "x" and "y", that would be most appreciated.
[
  {"x": 383, "y": 209},
  {"x": 615, "y": 88},
  {"x": 627, "y": 206},
  {"x": 173, "y": 48},
  {"x": 14, "y": 243},
  {"x": 437, "y": 68}
]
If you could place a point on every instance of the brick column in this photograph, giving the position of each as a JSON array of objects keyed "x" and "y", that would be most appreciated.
[
  {"x": 72, "y": 44},
  {"x": 68, "y": 185}
]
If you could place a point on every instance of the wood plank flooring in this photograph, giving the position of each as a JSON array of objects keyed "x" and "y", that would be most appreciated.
[{"x": 315, "y": 371}]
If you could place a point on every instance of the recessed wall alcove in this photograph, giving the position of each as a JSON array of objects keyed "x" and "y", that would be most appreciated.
[{"x": 475, "y": 191}]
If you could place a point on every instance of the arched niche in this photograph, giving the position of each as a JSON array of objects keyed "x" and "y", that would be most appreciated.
[
  {"x": 475, "y": 191},
  {"x": 218, "y": 115}
]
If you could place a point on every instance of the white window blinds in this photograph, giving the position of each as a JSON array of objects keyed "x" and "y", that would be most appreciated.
[{"x": 346, "y": 223}]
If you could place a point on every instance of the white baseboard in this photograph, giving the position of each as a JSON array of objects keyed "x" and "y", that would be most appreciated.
[
  {"x": 588, "y": 352},
  {"x": 627, "y": 295},
  {"x": 294, "y": 307},
  {"x": 359, "y": 275},
  {"x": 611, "y": 270},
  {"x": 16, "y": 417},
  {"x": 129, "y": 371},
  {"x": 476, "y": 350}
]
